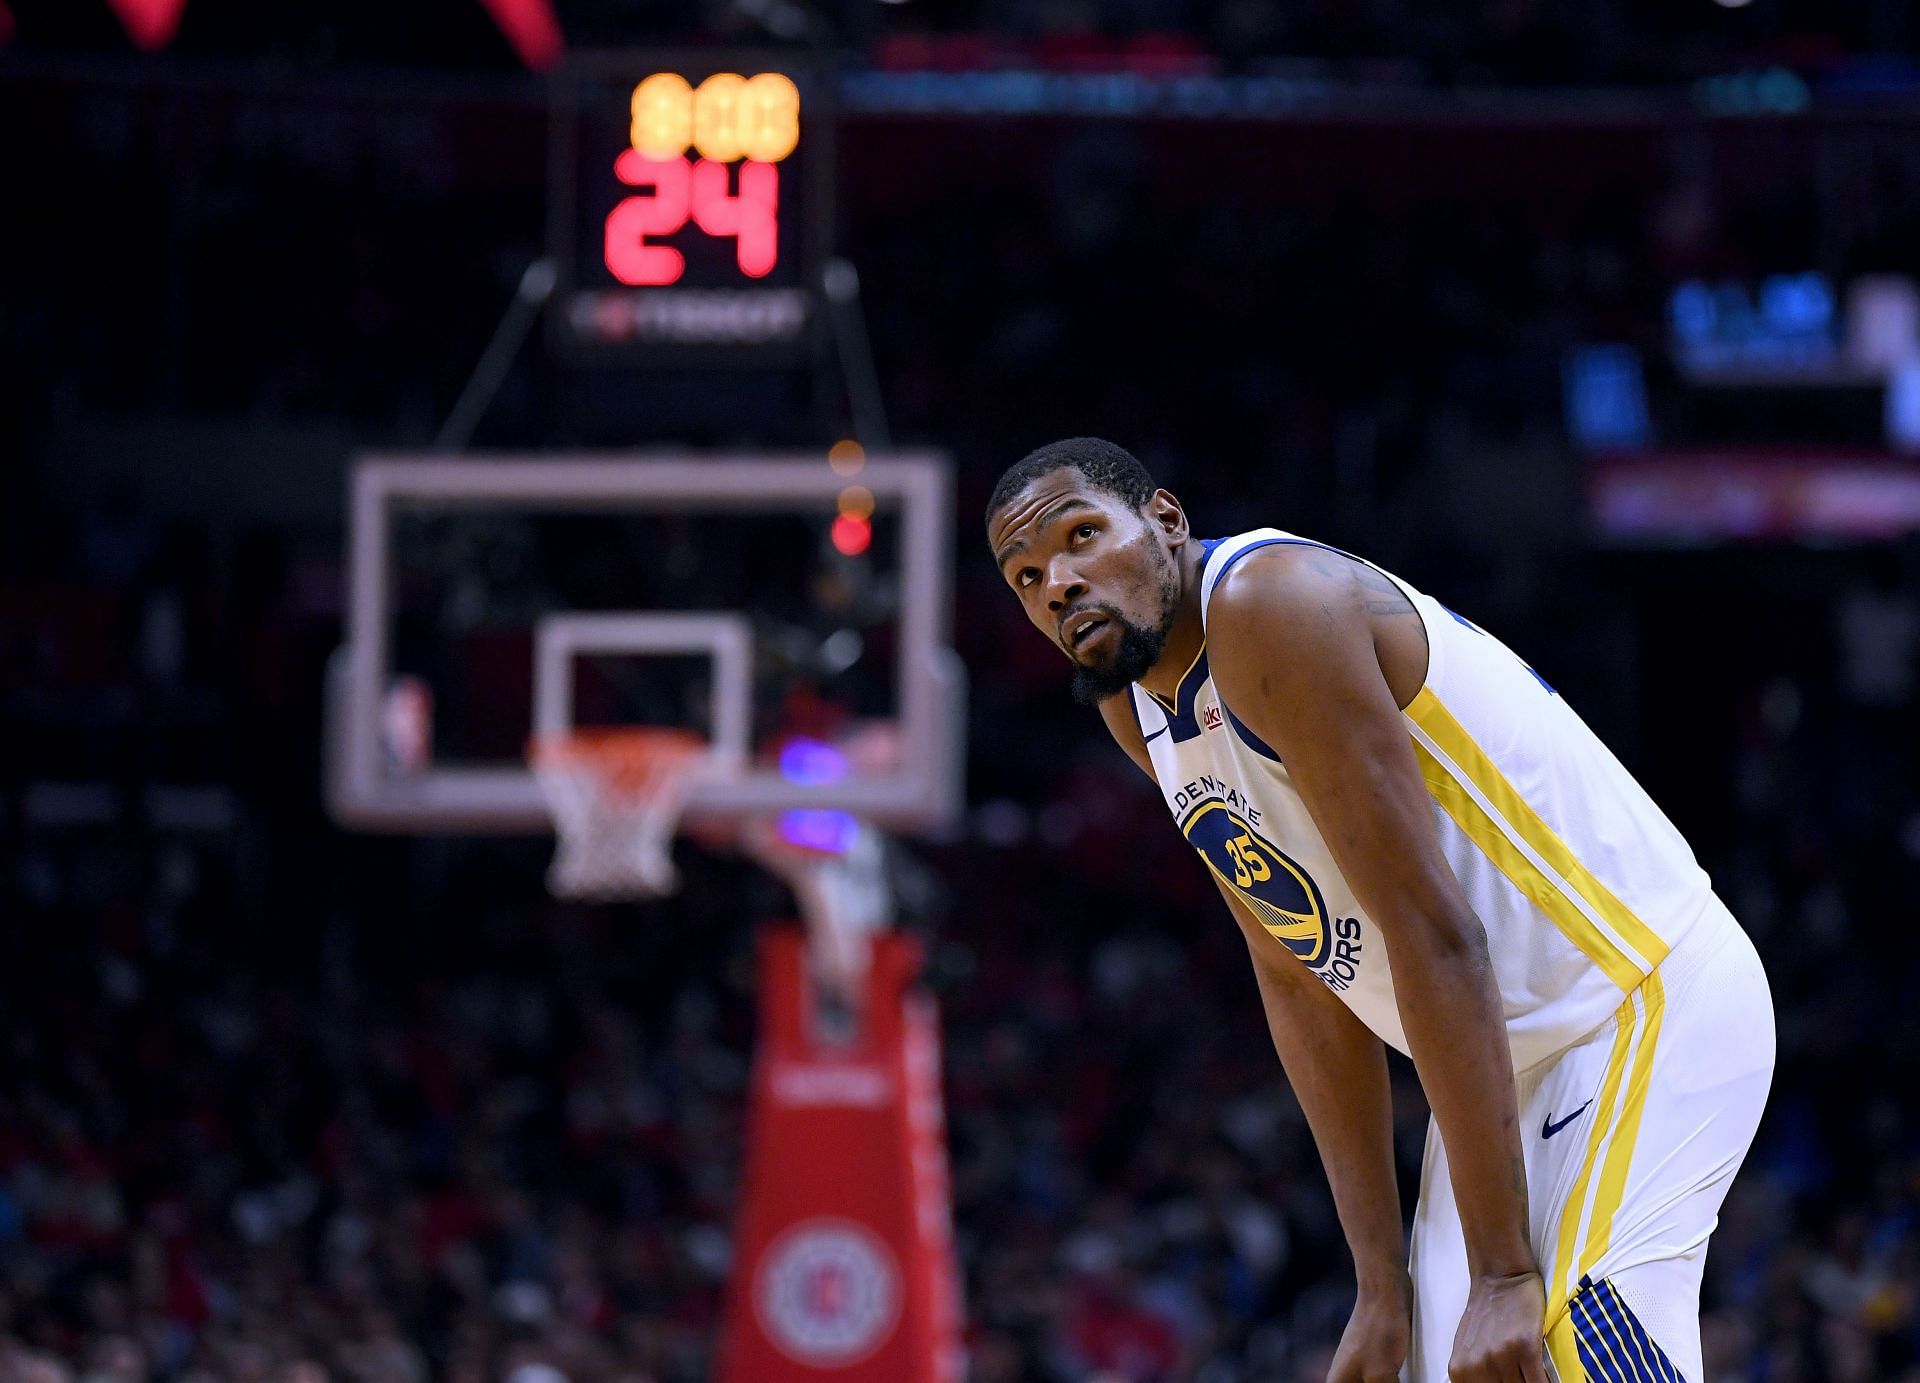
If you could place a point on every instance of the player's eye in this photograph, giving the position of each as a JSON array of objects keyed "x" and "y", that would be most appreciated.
[
  {"x": 1026, "y": 576},
  {"x": 1085, "y": 530}
]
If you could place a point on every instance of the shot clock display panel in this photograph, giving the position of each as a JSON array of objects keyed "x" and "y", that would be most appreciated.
[{"x": 688, "y": 213}]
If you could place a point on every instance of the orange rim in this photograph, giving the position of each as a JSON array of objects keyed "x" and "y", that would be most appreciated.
[{"x": 628, "y": 759}]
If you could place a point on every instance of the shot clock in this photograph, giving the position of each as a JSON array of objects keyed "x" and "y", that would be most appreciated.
[{"x": 688, "y": 210}]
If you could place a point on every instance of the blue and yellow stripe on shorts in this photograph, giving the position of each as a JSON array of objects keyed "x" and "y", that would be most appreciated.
[
  {"x": 1586, "y": 1217},
  {"x": 1584, "y": 1313},
  {"x": 1600, "y": 1340}
]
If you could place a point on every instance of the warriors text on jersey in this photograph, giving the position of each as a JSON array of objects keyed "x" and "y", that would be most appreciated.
[{"x": 1580, "y": 881}]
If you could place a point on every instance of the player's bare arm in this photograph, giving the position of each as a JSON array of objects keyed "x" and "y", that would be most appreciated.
[
  {"x": 1294, "y": 650},
  {"x": 1338, "y": 1071}
]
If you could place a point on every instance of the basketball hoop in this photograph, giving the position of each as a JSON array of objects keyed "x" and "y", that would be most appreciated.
[{"x": 616, "y": 797}]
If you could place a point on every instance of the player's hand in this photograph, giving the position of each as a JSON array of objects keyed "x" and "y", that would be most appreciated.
[
  {"x": 1499, "y": 1338},
  {"x": 1379, "y": 1334}
]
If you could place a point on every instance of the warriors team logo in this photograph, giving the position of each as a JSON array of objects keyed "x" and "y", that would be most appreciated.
[
  {"x": 1282, "y": 895},
  {"x": 827, "y": 1293}
]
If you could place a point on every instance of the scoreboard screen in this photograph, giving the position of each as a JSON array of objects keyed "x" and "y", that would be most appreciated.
[{"x": 688, "y": 210}]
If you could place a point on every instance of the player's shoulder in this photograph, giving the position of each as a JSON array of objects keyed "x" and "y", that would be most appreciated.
[
  {"x": 1311, "y": 624},
  {"x": 1282, "y": 590}
]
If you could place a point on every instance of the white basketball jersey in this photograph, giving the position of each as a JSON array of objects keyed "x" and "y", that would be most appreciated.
[{"x": 1581, "y": 882}]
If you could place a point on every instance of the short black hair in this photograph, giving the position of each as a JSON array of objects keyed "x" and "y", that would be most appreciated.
[{"x": 1104, "y": 465}]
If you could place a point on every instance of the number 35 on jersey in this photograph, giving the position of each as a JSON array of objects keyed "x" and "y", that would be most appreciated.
[{"x": 1280, "y": 893}]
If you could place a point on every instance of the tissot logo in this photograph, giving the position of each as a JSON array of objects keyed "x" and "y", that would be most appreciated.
[{"x": 1210, "y": 716}]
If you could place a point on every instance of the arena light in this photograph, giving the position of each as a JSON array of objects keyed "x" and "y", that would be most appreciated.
[
  {"x": 530, "y": 26},
  {"x": 856, "y": 502},
  {"x": 851, "y": 536},
  {"x": 811, "y": 762},
  {"x": 827, "y": 832},
  {"x": 846, "y": 457},
  {"x": 149, "y": 23}
]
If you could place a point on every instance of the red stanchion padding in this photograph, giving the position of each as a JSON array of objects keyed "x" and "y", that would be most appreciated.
[{"x": 843, "y": 1252}]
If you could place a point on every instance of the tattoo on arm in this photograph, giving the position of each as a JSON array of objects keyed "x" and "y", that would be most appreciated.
[{"x": 1379, "y": 595}]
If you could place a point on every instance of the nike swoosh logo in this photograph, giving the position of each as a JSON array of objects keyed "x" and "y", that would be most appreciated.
[
  {"x": 1156, "y": 734},
  {"x": 1549, "y": 1128}
]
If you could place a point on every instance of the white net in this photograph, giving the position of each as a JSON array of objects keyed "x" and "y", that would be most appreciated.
[{"x": 616, "y": 798}]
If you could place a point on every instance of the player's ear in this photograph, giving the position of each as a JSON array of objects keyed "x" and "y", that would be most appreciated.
[{"x": 1164, "y": 511}]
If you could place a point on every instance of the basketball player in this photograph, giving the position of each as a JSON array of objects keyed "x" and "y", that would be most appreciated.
[{"x": 1426, "y": 849}]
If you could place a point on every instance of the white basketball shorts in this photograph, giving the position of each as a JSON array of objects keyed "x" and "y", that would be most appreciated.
[{"x": 1631, "y": 1139}]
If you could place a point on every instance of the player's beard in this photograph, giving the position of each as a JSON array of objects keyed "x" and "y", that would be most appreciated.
[{"x": 1138, "y": 647}]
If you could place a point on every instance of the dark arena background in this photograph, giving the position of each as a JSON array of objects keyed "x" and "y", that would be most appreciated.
[{"x": 1597, "y": 320}]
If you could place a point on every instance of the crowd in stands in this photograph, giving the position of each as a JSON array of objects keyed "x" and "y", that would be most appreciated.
[{"x": 284, "y": 1104}]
